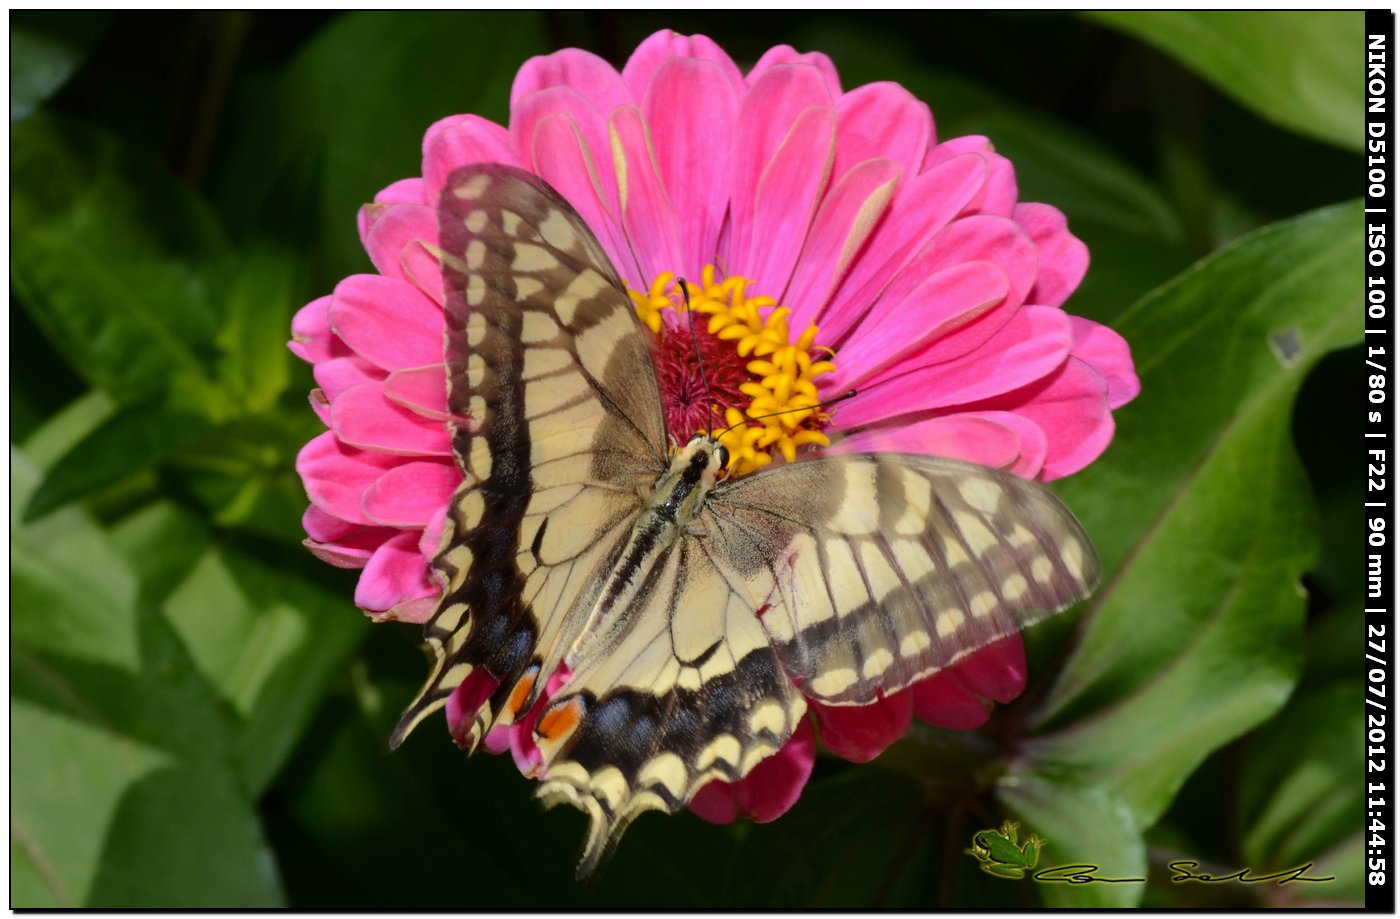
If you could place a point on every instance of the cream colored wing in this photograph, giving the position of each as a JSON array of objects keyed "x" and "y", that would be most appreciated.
[
  {"x": 692, "y": 692},
  {"x": 557, "y": 427},
  {"x": 877, "y": 570}
]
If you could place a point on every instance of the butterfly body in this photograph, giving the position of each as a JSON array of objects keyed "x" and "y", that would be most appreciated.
[
  {"x": 667, "y": 513},
  {"x": 681, "y": 610}
]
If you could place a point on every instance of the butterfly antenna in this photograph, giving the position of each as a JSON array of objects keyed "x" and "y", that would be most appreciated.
[
  {"x": 695, "y": 341},
  {"x": 802, "y": 408}
]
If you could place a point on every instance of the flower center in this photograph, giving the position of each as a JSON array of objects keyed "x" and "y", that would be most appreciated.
[{"x": 762, "y": 394}]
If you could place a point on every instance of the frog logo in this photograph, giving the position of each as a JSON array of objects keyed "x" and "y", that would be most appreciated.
[{"x": 999, "y": 854}]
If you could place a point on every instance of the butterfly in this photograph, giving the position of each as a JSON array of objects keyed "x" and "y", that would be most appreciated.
[{"x": 688, "y": 612}]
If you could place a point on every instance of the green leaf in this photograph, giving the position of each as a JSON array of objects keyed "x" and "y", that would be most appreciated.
[
  {"x": 125, "y": 793},
  {"x": 46, "y": 48},
  {"x": 110, "y": 259},
  {"x": 1300, "y": 788},
  {"x": 347, "y": 118},
  {"x": 1083, "y": 826},
  {"x": 266, "y": 640},
  {"x": 1202, "y": 516},
  {"x": 255, "y": 363},
  {"x": 127, "y": 444},
  {"x": 1297, "y": 68}
]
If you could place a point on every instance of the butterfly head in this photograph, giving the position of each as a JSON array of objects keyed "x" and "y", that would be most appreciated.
[
  {"x": 681, "y": 491},
  {"x": 708, "y": 446}
]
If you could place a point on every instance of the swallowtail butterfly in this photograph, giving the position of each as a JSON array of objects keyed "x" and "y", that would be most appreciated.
[{"x": 693, "y": 611}]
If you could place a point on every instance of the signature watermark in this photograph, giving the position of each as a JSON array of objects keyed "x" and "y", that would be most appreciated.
[{"x": 1002, "y": 854}]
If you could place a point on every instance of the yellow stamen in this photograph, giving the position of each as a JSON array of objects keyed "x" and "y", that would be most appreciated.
[{"x": 783, "y": 370}]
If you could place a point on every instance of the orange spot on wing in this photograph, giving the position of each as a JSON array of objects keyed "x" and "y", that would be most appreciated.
[
  {"x": 560, "y": 720},
  {"x": 521, "y": 693}
]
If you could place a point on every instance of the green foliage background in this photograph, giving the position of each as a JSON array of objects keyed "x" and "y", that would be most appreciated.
[{"x": 198, "y": 712}]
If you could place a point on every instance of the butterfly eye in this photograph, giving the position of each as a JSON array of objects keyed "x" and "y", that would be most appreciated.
[{"x": 723, "y": 456}]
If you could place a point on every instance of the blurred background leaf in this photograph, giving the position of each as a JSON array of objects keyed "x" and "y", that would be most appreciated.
[
  {"x": 123, "y": 739},
  {"x": 46, "y": 47},
  {"x": 114, "y": 262},
  {"x": 346, "y": 117},
  {"x": 1297, "y": 68}
]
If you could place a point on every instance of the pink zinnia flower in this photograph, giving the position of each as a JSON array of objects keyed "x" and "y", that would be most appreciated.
[{"x": 833, "y": 242}]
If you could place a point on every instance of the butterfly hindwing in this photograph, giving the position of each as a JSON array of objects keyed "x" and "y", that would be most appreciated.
[
  {"x": 880, "y": 569},
  {"x": 692, "y": 692},
  {"x": 556, "y": 426}
]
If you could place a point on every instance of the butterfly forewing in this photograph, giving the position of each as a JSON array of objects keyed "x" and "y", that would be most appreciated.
[
  {"x": 881, "y": 569},
  {"x": 556, "y": 427}
]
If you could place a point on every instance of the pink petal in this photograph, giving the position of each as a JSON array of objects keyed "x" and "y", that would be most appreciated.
[
  {"x": 561, "y": 157},
  {"x": 998, "y": 195},
  {"x": 1071, "y": 407},
  {"x": 660, "y": 48},
  {"x": 462, "y": 140},
  {"x": 320, "y": 405},
  {"x": 1000, "y": 191},
  {"x": 349, "y": 554},
  {"x": 968, "y": 437},
  {"x": 340, "y": 373},
  {"x": 845, "y": 220},
  {"x": 322, "y": 527},
  {"x": 466, "y": 700},
  {"x": 312, "y": 338},
  {"x": 396, "y": 227},
  {"x": 682, "y": 94},
  {"x": 1107, "y": 352},
  {"x": 860, "y": 733},
  {"x": 1063, "y": 258},
  {"x": 362, "y": 417},
  {"x": 786, "y": 56},
  {"x": 431, "y": 540},
  {"x": 997, "y": 671},
  {"x": 336, "y": 475},
  {"x": 959, "y": 698},
  {"x": 646, "y": 211},
  {"x": 1028, "y": 348},
  {"x": 351, "y": 548},
  {"x": 587, "y": 73},
  {"x": 767, "y": 115},
  {"x": 957, "y": 146},
  {"x": 409, "y": 495},
  {"x": 1029, "y": 436},
  {"x": 395, "y": 573},
  {"x": 423, "y": 270},
  {"x": 404, "y": 191},
  {"x": 387, "y": 322},
  {"x": 969, "y": 239},
  {"x": 589, "y": 123},
  {"x": 417, "y": 610},
  {"x": 421, "y": 390},
  {"x": 942, "y": 302},
  {"x": 943, "y": 702},
  {"x": 882, "y": 120},
  {"x": 922, "y": 206},
  {"x": 785, "y": 200},
  {"x": 767, "y": 792}
]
